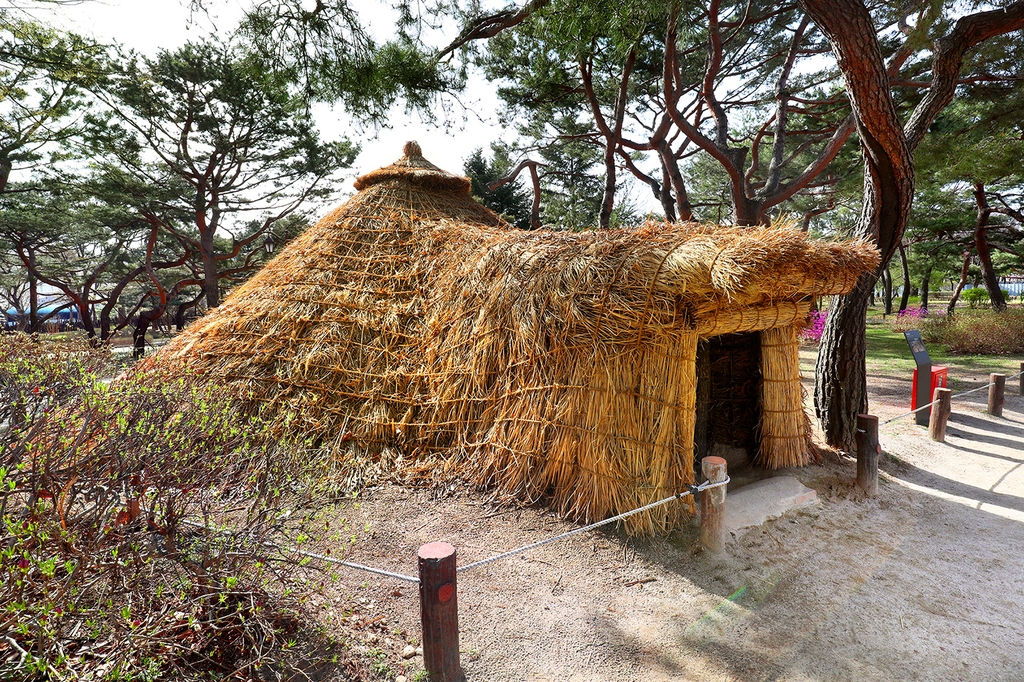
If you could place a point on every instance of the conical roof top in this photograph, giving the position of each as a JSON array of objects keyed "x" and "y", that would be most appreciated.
[
  {"x": 415, "y": 169},
  {"x": 325, "y": 333}
]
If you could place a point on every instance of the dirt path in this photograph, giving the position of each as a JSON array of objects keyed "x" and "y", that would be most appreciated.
[{"x": 923, "y": 582}]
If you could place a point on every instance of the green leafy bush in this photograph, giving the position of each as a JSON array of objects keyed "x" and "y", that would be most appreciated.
[
  {"x": 145, "y": 532},
  {"x": 980, "y": 332},
  {"x": 975, "y": 297}
]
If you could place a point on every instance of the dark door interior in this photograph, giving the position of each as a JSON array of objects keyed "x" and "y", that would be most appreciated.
[{"x": 728, "y": 398}]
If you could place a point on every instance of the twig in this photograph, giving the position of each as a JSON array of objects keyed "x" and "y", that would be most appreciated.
[{"x": 367, "y": 622}]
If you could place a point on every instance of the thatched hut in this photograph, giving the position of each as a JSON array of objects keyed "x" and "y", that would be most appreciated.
[{"x": 413, "y": 329}]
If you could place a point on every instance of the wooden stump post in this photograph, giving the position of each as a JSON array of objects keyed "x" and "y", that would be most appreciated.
[
  {"x": 868, "y": 450},
  {"x": 996, "y": 394},
  {"x": 712, "y": 505},
  {"x": 940, "y": 414},
  {"x": 439, "y": 612}
]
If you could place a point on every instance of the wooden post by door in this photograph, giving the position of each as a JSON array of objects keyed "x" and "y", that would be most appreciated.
[
  {"x": 712, "y": 505},
  {"x": 868, "y": 450}
]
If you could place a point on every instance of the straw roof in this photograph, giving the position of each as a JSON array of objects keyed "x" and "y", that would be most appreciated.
[{"x": 413, "y": 330}]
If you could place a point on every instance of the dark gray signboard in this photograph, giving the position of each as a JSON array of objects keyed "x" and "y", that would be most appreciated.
[{"x": 924, "y": 375}]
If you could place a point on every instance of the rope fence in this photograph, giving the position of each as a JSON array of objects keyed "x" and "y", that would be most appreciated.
[
  {"x": 438, "y": 569},
  {"x": 358, "y": 567},
  {"x": 678, "y": 496},
  {"x": 952, "y": 397},
  {"x": 691, "y": 490},
  {"x": 869, "y": 448}
]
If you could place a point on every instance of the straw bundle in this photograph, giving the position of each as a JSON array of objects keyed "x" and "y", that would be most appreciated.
[
  {"x": 411, "y": 330},
  {"x": 785, "y": 428}
]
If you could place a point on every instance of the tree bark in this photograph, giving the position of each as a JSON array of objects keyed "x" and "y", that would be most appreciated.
[
  {"x": 841, "y": 386},
  {"x": 964, "y": 270},
  {"x": 5, "y": 172},
  {"x": 988, "y": 273},
  {"x": 886, "y": 292},
  {"x": 905, "y": 298},
  {"x": 666, "y": 195},
  {"x": 835, "y": 403},
  {"x": 926, "y": 281},
  {"x": 683, "y": 209},
  {"x": 534, "y": 182},
  {"x": 33, "y": 298},
  {"x": 211, "y": 286},
  {"x": 179, "y": 314}
]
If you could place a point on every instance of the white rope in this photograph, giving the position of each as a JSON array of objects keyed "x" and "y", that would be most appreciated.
[
  {"x": 358, "y": 567},
  {"x": 907, "y": 414},
  {"x": 703, "y": 486},
  {"x": 952, "y": 397},
  {"x": 476, "y": 564},
  {"x": 312, "y": 555}
]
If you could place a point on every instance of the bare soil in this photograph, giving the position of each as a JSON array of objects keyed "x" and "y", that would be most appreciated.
[{"x": 923, "y": 582}]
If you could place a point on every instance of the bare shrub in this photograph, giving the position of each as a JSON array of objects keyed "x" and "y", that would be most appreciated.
[
  {"x": 146, "y": 531},
  {"x": 982, "y": 332}
]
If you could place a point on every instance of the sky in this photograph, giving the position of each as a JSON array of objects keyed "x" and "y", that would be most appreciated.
[{"x": 149, "y": 25}]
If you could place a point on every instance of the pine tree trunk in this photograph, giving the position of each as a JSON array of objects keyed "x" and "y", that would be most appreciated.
[
  {"x": 988, "y": 273},
  {"x": 746, "y": 212},
  {"x": 210, "y": 283},
  {"x": 146, "y": 318},
  {"x": 33, "y": 304},
  {"x": 841, "y": 381},
  {"x": 925, "y": 286},
  {"x": 179, "y": 314},
  {"x": 604, "y": 218},
  {"x": 887, "y": 291},
  {"x": 840, "y": 392},
  {"x": 961, "y": 284},
  {"x": 905, "y": 299},
  {"x": 670, "y": 166}
]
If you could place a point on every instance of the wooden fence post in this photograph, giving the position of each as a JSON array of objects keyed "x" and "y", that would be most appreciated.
[
  {"x": 996, "y": 394},
  {"x": 940, "y": 414},
  {"x": 868, "y": 450},
  {"x": 439, "y": 612},
  {"x": 712, "y": 505}
]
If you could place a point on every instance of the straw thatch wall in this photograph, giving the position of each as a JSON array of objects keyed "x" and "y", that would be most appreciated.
[
  {"x": 785, "y": 428},
  {"x": 411, "y": 330}
]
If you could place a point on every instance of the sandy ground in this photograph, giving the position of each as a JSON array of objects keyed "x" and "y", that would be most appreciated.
[{"x": 923, "y": 582}]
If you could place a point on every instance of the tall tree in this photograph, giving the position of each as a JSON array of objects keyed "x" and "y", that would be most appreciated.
[
  {"x": 936, "y": 46},
  {"x": 745, "y": 88},
  {"x": 68, "y": 240},
  {"x": 973, "y": 153},
  {"x": 225, "y": 136},
  {"x": 841, "y": 381},
  {"x": 43, "y": 76},
  {"x": 508, "y": 199}
]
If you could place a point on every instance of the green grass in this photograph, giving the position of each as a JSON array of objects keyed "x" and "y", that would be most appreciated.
[
  {"x": 889, "y": 354},
  {"x": 889, "y": 350}
]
